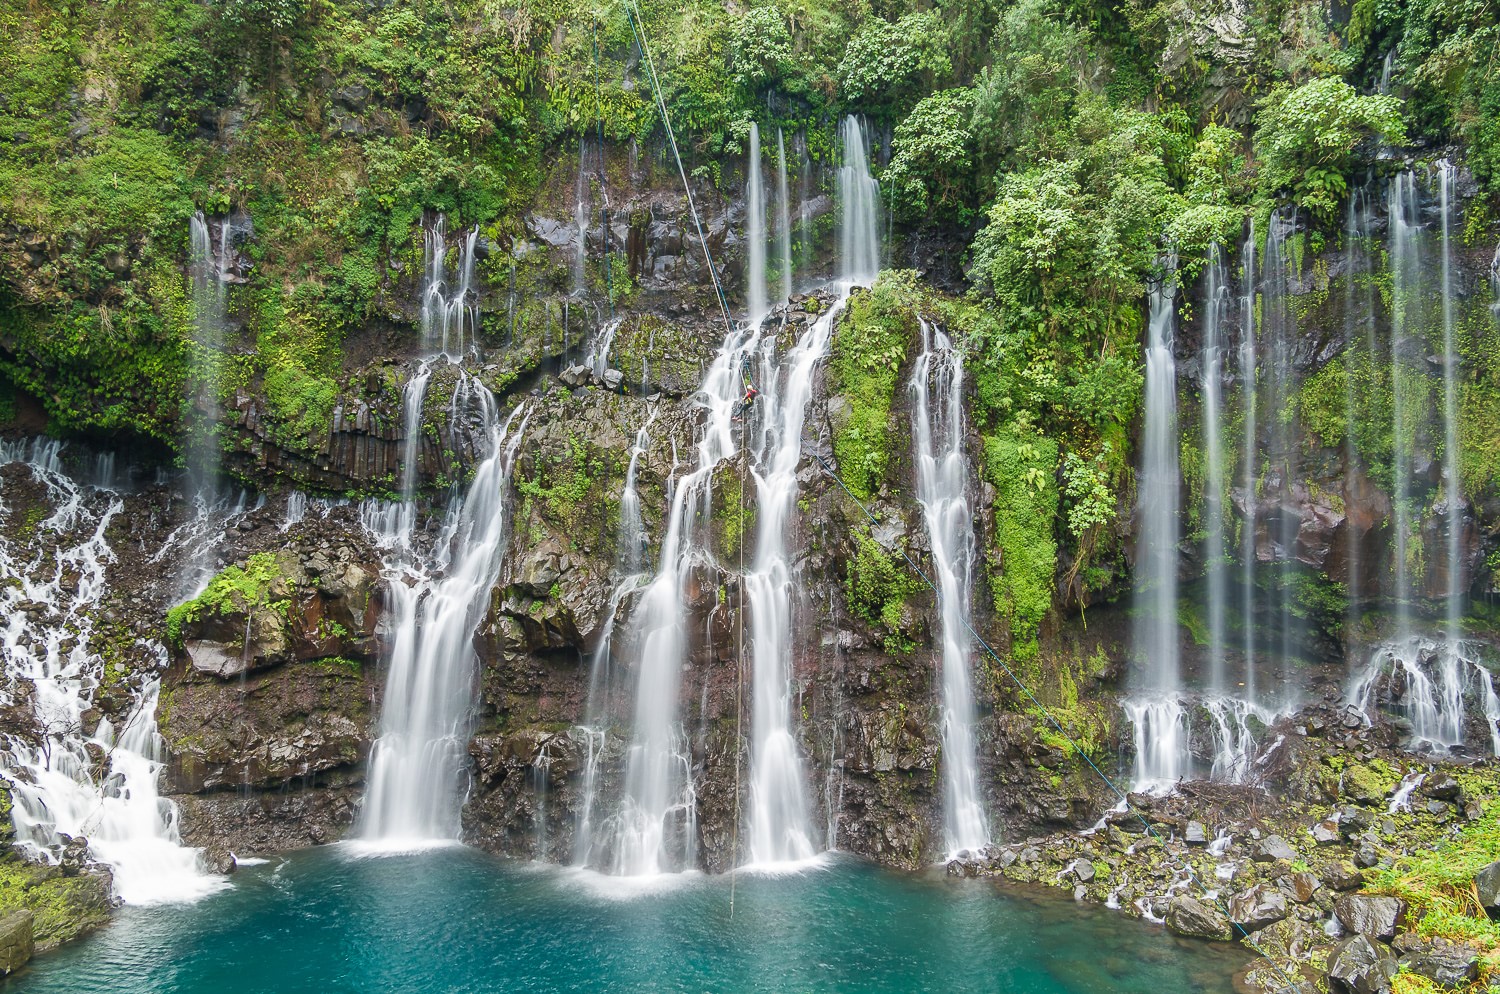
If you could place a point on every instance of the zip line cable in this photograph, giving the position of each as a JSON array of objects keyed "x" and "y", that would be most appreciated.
[{"x": 638, "y": 26}]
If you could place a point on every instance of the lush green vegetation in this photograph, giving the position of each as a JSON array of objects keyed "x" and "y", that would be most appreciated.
[{"x": 236, "y": 588}]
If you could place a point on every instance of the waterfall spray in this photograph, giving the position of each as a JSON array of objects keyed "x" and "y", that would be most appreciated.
[
  {"x": 1215, "y": 315},
  {"x": 755, "y": 233}
]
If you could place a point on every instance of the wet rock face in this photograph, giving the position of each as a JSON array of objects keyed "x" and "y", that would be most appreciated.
[
  {"x": 1191, "y": 917},
  {"x": 1360, "y": 966},
  {"x": 16, "y": 942}
]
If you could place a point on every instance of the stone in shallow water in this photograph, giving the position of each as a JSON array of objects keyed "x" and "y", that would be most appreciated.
[
  {"x": 1364, "y": 914},
  {"x": 1359, "y": 966},
  {"x": 16, "y": 944},
  {"x": 1187, "y": 916},
  {"x": 1083, "y": 871}
]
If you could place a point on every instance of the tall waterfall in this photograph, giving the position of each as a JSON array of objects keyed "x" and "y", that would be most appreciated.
[
  {"x": 51, "y": 596},
  {"x": 1249, "y": 466},
  {"x": 755, "y": 233},
  {"x": 210, "y": 317},
  {"x": 1279, "y": 335},
  {"x": 1215, "y": 317},
  {"x": 1406, "y": 272},
  {"x": 1452, "y": 484},
  {"x": 780, "y": 830},
  {"x": 417, "y": 767},
  {"x": 447, "y": 310},
  {"x": 1359, "y": 313},
  {"x": 581, "y": 221},
  {"x": 783, "y": 219},
  {"x": 859, "y": 202},
  {"x": 1159, "y": 713},
  {"x": 942, "y": 490},
  {"x": 629, "y": 557}
]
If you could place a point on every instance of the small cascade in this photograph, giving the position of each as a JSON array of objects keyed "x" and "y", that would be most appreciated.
[
  {"x": 581, "y": 220},
  {"x": 1235, "y": 738},
  {"x": 61, "y": 790},
  {"x": 1406, "y": 272},
  {"x": 1215, "y": 318},
  {"x": 448, "y": 312},
  {"x": 755, "y": 233},
  {"x": 1249, "y": 450},
  {"x": 1495, "y": 283},
  {"x": 417, "y": 765},
  {"x": 859, "y": 200},
  {"x": 296, "y": 510},
  {"x": 1227, "y": 735},
  {"x": 1452, "y": 498},
  {"x": 1401, "y": 799},
  {"x": 1160, "y": 732},
  {"x": 1433, "y": 684},
  {"x": 942, "y": 490},
  {"x": 783, "y": 220},
  {"x": 597, "y": 357},
  {"x": 1154, "y": 628}
]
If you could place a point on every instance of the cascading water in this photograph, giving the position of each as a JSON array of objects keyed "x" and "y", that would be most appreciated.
[
  {"x": 417, "y": 765},
  {"x": 1452, "y": 493},
  {"x": 1249, "y": 449},
  {"x": 942, "y": 490},
  {"x": 1404, "y": 224},
  {"x": 1154, "y": 628},
  {"x": 755, "y": 233},
  {"x": 447, "y": 310},
  {"x": 631, "y": 551},
  {"x": 581, "y": 220},
  {"x": 859, "y": 200},
  {"x": 783, "y": 220},
  {"x": 597, "y": 357},
  {"x": 1215, "y": 316},
  {"x": 210, "y": 317},
  {"x": 1279, "y": 333},
  {"x": 61, "y": 789},
  {"x": 1359, "y": 313},
  {"x": 780, "y": 831}
]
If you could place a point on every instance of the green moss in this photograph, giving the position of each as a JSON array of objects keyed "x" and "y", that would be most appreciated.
[
  {"x": 1022, "y": 466},
  {"x": 864, "y": 365},
  {"x": 63, "y": 907},
  {"x": 877, "y": 584},
  {"x": 237, "y": 588}
]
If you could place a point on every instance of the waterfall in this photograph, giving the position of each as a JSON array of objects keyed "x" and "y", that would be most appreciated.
[
  {"x": 1358, "y": 311},
  {"x": 859, "y": 200},
  {"x": 597, "y": 357},
  {"x": 581, "y": 221},
  {"x": 1248, "y": 362},
  {"x": 783, "y": 220},
  {"x": 1279, "y": 332},
  {"x": 942, "y": 490},
  {"x": 780, "y": 831},
  {"x": 1452, "y": 484},
  {"x": 654, "y": 830},
  {"x": 1154, "y": 628},
  {"x": 446, "y": 307},
  {"x": 632, "y": 543},
  {"x": 58, "y": 786},
  {"x": 1215, "y": 315},
  {"x": 210, "y": 307},
  {"x": 1406, "y": 267},
  {"x": 755, "y": 233},
  {"x": 417, "y": 765}
]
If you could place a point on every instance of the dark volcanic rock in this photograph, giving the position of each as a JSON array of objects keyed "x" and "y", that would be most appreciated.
[
  {"x": 1364, "y": 914},
  {"x": 1187, "y": 916},
  {"x": 1359, "y": 966}
]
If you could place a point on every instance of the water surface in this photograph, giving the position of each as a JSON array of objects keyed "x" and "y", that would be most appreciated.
[{"x": 456, "y": 920}]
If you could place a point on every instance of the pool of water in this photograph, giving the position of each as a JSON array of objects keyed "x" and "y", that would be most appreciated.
[{"x": 456, "y": 920}]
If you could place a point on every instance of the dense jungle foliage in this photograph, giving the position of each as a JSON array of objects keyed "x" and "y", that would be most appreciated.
[{"x": 1055, "y": 145}]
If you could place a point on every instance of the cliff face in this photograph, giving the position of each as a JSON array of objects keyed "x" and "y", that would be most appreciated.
[{"x": 272, "y": 698}]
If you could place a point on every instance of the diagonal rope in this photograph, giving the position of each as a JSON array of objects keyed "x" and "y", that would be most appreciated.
[{"x": 638, "y": 26}]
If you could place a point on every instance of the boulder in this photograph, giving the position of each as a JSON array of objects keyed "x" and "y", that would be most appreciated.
[
  {"x": 1257, "y": 907},
  {"x": 1342, "y": 876},
  {"x": 1326, "y": 832},
  {"x": 1196, "y": 834},
  {"x": 1187, "y": 916},
  {"x": 16, "y": 942},
  {"x": 1487, "y": 883},
  {"x": 1365, "y": 914},
  {"x": 1272, "y": 848},
  {"x": 1359, "y": 966},
  {"x": 1441, "y": 787},
  {"x": 1446, "y": 966},
  {"x": 1300, "y": 887},
  {"x": 1083, "y": 871}
]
